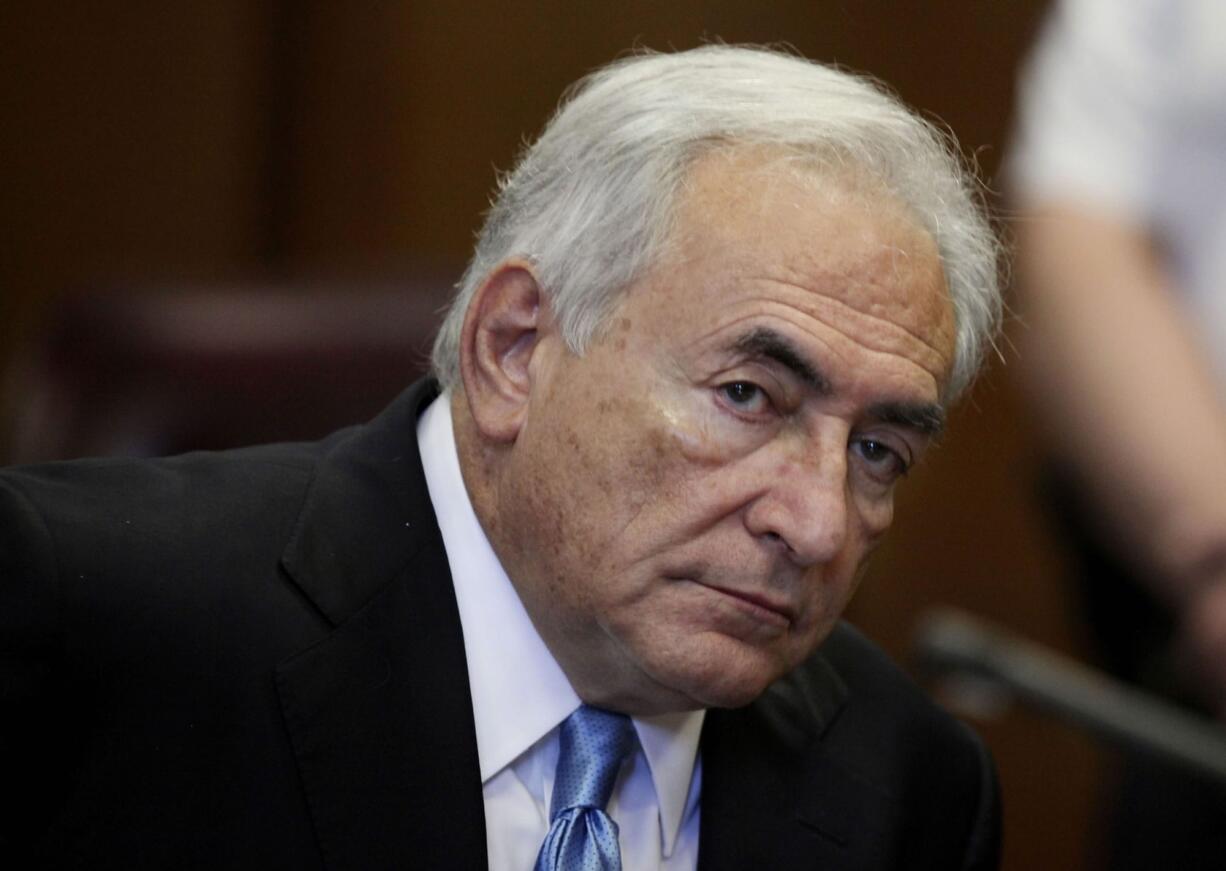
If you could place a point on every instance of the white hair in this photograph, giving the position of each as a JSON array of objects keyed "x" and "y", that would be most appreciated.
[{"x": 591, "y": 202}]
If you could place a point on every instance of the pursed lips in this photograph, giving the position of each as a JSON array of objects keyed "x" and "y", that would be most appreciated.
[{"x": 767, "y": 608}]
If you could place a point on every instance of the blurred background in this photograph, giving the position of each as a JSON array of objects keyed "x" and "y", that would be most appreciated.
[{"x": 228, "y": 221}]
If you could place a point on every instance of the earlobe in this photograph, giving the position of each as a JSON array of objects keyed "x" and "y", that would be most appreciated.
[{"x": 502, "y": 329}]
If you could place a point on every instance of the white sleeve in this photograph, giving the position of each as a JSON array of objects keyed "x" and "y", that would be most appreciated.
[{"x": 1092, "y": 104}]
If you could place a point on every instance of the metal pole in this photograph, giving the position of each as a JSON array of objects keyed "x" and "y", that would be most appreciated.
[{"x": 953, "y": 644}]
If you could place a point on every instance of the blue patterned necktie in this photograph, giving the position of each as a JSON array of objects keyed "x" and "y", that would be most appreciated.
[{"x": 592, "y": 745}]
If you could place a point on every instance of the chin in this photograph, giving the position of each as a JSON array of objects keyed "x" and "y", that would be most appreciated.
[
  {"x": 733, "y": 697},
  {"x": 722, "y": 682}
]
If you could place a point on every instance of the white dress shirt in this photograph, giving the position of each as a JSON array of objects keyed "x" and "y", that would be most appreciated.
[{"x": 520, "y": 697}]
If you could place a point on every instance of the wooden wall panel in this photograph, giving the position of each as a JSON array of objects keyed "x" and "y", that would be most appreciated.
[
  {"x": 133, "y": 147},
  {"x": 133, "y": 138}
]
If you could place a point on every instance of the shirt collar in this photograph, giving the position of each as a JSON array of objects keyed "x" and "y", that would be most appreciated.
[
  {"x": 670, "y": 743},
  {"x": 519, "y": 691}
]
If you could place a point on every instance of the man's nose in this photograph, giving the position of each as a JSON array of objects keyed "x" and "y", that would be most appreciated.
[{"x": 803, "y": 505}]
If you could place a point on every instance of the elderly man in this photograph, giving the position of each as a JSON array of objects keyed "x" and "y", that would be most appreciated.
[{"x": 574, "y": 604}]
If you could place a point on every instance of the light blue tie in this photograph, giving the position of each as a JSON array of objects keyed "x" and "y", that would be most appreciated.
[{"x": 592, "y": 745}]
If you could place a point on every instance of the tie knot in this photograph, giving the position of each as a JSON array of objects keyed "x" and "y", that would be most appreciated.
[{"x": 591, "y": 748}]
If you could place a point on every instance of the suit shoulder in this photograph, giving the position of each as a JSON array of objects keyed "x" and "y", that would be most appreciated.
[
  {"x": 109, "y": 558},
  {"x": 88, "y": 491},
  {"x": 884, "y": 700},
  {"x": 862, "y": 757},
  {"x": 88, "y": 526},
  {"x": 892, "y": 737}
]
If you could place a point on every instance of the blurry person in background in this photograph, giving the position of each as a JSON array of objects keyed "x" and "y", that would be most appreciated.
[{"x": 1119, "y": 170}]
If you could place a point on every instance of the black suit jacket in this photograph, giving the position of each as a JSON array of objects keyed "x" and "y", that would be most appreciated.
[{"x": 254, "y": 659}]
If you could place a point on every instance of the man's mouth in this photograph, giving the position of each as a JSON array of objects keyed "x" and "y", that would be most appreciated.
[{"x": 768, "y": 609}]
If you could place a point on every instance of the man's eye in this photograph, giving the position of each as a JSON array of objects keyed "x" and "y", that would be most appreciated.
[
  {"x": 745, "y": 396},
  {"x": 885, "y": 463}
]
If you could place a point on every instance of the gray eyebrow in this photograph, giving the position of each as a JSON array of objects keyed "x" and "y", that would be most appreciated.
[
  {"x": 763, "y": 342},
  {"x": 927, "y": 418}
]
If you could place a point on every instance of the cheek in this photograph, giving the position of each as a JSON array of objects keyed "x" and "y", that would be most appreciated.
[
  {"x": 700, "y": 432},
  {"x": 594, "y": 472},
  {"x": 624, "y": 473},
  {"x": 876, "y": 514},
  {"x": 653, "y": 442}
]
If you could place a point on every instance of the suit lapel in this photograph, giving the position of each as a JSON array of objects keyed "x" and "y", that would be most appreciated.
[
  {"x": 764, "y": 779},
  {"x": 379, "y": 712}
]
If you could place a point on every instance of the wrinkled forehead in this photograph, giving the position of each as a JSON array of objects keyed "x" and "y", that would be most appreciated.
[{"x": 813, "y": 215}]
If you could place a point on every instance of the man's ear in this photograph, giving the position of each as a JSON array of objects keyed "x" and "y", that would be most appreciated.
[{"x": 502, "y": 330}]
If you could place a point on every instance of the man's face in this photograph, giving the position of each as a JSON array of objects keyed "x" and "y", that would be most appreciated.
[{"x": 687, "y": 506}]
